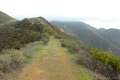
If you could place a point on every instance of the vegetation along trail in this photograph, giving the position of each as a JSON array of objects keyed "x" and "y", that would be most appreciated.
[{"x": 50, "y": 62}]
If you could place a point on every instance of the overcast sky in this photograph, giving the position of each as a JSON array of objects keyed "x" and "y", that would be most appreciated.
[{"x": 99, "y": 13}]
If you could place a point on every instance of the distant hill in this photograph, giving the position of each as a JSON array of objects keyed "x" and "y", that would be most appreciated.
[
  {"x": 113, "y": 35},
  {"x": 108, "y": 40},
  {"x": 4, "y": 18}
]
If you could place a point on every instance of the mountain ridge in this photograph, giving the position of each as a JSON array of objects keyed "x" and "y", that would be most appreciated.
[{"x": 89, "y": 33}]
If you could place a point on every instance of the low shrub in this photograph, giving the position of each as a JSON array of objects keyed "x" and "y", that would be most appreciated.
[
  {"x": 107, "y": 58},
  {"x": 11, "y": 59}
]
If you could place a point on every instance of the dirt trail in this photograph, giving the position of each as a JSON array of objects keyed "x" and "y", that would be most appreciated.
[{"x": 52, "y": 62}]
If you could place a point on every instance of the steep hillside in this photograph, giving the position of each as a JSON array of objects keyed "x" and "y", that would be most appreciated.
[
  {"x": 95, "y": 38},
  {"x": 4, "y": 18}
]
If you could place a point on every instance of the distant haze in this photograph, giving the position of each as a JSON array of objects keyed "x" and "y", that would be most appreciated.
[{"x": 98, "y": 13}]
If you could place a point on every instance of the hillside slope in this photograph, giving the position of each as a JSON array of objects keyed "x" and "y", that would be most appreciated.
[
  {"x": 112, "y": 35},
  {"x": 4, "y": 18},
  {"x": 107, "y": 40}
]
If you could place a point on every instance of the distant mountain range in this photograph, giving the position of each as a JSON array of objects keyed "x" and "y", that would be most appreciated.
[{"x": 105, "y": 39}]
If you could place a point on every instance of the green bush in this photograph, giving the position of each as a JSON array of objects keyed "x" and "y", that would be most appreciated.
[
  {"x": 107, "y": 58},
  {"x": 16, "y": 38},
  {"x": 22, "y": 32}
]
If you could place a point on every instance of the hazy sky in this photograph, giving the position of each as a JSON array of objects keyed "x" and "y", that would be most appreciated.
[{"x": 99, "y": 13}]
